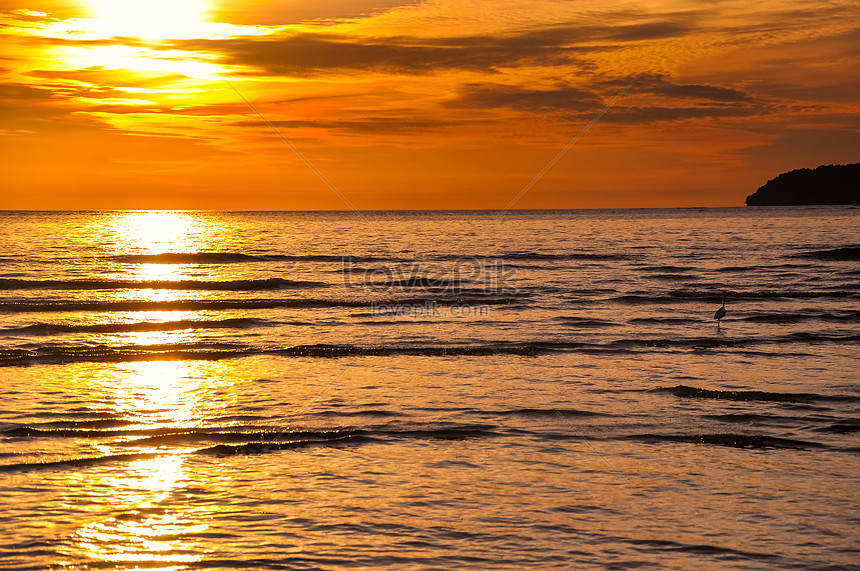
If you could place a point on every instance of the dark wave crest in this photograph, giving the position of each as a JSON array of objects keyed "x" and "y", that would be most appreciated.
[
  {"x": 684, "y": 391},
  {"x": 781, "y": 317},
  {"x": 254, "y": 448},
  {"x": 682, "y": 296},
  {"x": 168, "y": 435},
  {"x": 215, "y": 351},
  {"x": 325, "y": 350},
  {"x": 539, "y": 412},
  {"x": 418, "y": 282},
  {"x": 564, "y": 256},
  {"x": 235, "y": 442},
  {"x": 575, "y": 321},
  {"x": 227, "y": 285},
  {"x": 664, "y": 320},
  {"x": 43, "y": 329},
  {"x": 75, "y": 463},
  {"x": 666, "y": 269},
  {"x": 704, "y": 551},
  {"x": 56, "y": 354},
  {"x": 118, "y": 354},
  {"x": 86, "y": 424},
  {"x": 753, "y": 418},
  {"x": 289, "y": 441},
  {"x": 732, "y": 440},
  {"x": 221, "y": 304},
  {"x": 846, "y": 426},
  {"x": 846, "y": 254},
  {"x": 237, "y": 258}
]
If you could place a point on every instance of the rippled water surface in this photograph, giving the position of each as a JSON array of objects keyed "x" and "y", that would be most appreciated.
[{"x": 285, "y": 390}]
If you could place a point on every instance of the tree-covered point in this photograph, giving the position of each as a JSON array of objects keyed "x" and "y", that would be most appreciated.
[{"x": 827, "y": 184}]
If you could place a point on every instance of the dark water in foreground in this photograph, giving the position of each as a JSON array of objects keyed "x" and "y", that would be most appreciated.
[{"x": 186, "y": 390}]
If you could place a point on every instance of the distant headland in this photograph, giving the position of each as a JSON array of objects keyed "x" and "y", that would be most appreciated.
[{"x": 827, "y": 184}]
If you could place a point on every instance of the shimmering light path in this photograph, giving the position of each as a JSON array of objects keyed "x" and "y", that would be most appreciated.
[{"x": 189, "y": 390}]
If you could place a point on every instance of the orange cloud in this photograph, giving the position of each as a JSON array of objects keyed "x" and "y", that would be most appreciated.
[{"x": 407, "y": 104}]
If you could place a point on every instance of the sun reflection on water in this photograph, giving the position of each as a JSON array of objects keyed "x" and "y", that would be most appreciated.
[
  {"x": 150, "y": 518},
  {"x": 152, "y": 233},
  {"x": 148, "y": 513},
  {"x": 157, "y": 232},
  {"x": 160, "y": 391},
  {"x": 145, "y": 529}
]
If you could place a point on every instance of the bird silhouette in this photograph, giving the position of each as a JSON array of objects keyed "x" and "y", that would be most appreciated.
[{"x": 721, "y": 312}]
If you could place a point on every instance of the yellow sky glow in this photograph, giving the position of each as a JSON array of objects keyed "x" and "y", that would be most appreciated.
[{"x": 418, "y": 104}]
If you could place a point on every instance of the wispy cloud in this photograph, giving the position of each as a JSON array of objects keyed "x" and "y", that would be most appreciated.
[{"x": 470, "y": 93}]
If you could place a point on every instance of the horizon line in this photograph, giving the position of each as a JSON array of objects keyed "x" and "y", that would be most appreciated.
[{"x": 347, "y": 210}]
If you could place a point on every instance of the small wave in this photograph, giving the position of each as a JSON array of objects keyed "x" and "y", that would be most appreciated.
[
  {"x": 851, "y": 316},
  {"x": 666, "y": 320},
  {"x": 841, "y": 427},
  {"x": 416, "y": 283},
  {"x": 255, "y": 448},
  {"x": 82, "y": 431},
  {"x": 807, "y": 337},
  {"x": 169, "y": 436},
  {"x": 228, "y": 443},
  {"x": 734, "y": 269},
  {"x": 682, "y": 296},
  {"x": 665, "y": 269},
  {"x": 674, "y": 278},
  {"x": 357, "y": 413},
  {"x": 119, "y": 354},
  {"x": 44, "y": 329},
  {"x": 226, "y": 285},
  {"x": 681, "y": 343},
  {"x": 563, "y": 256},
  {"x": 236, "y": 258},
  {"x": 539, "y": 412},
  {"x": 215, "y": 351},
  {"x": 75, "y": 463},
  {"x": 221, "y": 304},
  {"x": 87, "y": 424},
  {"x": 751, "y": 418},
  {"x": 458, "y": 432},
  {"x": 190, "y": 437},
  {"x": 847, "y": 254},
  {"x": 584, "y": 322},
  {"x": 706, "y": 551},
  {"x": 685, "y": 391},
  {"x": 636, "y": 299},
  {"x": 54, "y": 354},
  {"x": 325, "y": 350},
  {"x": 172, "y": 435},
  {"x": 732, "y": 440}
]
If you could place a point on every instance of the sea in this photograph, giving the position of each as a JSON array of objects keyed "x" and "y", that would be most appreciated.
[{"x": 531, "y": 389}]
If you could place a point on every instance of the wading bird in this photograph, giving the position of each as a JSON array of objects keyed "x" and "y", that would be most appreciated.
[{"x": 721, "y": 312}]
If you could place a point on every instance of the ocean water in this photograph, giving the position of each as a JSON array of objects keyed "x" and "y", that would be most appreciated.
[{"x": 446, "y": 390}]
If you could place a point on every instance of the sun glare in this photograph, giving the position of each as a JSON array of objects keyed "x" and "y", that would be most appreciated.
[
  {"x": 152, "y": 233},
  {"x": 149, "y": 531},
  {"x": 157, "y": 232},
  {"x": 149, "y": 19}
]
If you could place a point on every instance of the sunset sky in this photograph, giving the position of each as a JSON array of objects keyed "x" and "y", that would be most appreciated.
[{"x": 114, "y": 104}]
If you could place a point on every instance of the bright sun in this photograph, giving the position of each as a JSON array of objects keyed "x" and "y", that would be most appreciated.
[{"x": 149, "y": 19}]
